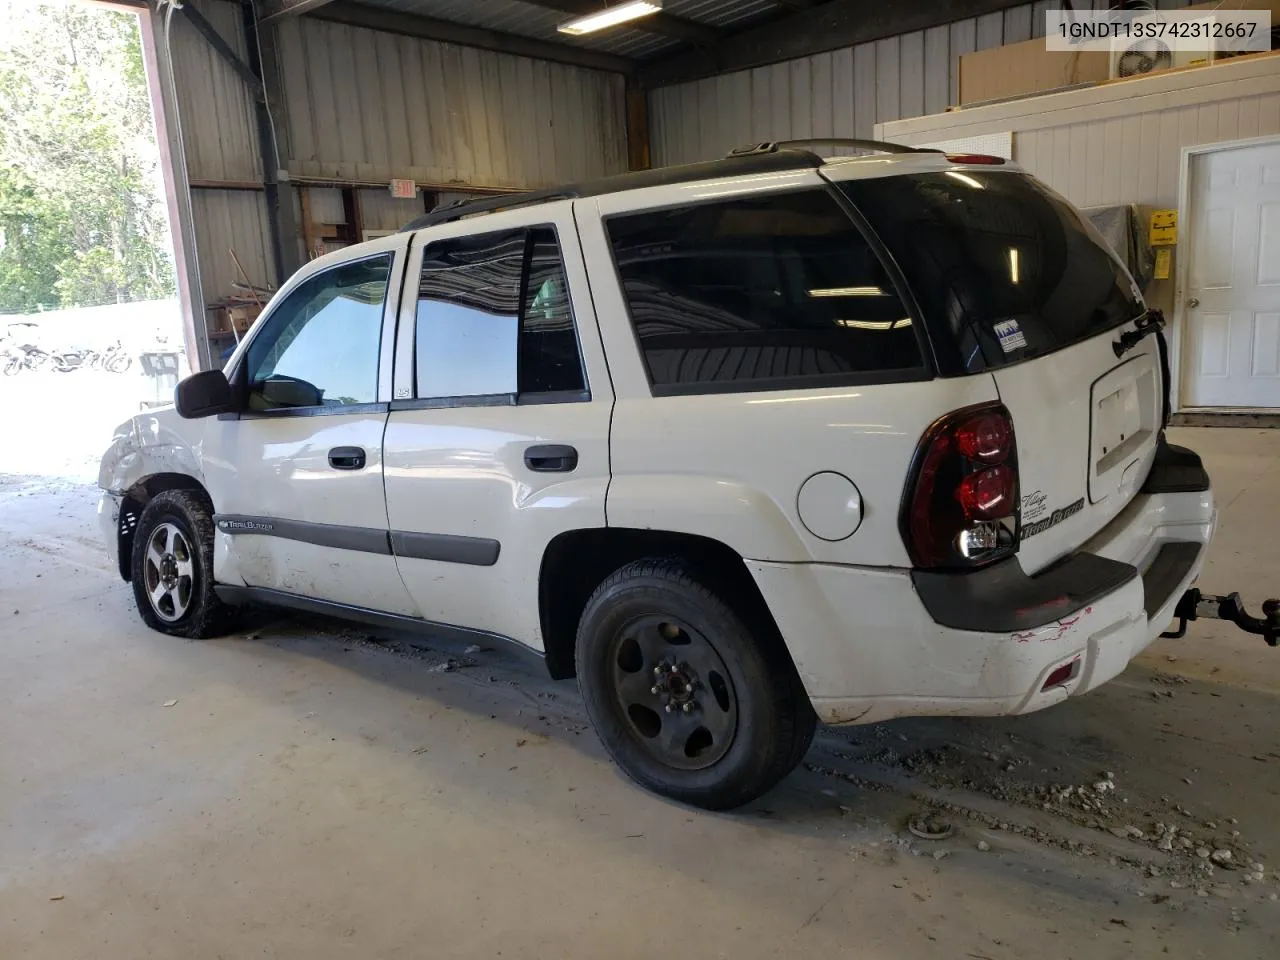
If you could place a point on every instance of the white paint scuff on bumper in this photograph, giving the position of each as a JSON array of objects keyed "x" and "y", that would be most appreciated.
[{"x": 867, "y": 649}]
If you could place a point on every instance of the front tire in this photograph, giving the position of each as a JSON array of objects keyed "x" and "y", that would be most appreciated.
[
  {"x": 689, "y": 701},
  {"x": 172, "y": 567}
]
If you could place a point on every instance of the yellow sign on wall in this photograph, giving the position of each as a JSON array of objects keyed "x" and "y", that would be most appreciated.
[
  {"x": 1164, "y": 228},
  {"x": 1164, "y": 260}
]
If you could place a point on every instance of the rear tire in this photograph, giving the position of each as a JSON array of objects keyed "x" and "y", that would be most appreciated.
[
  {"x": 729, "y": 718},
  {"x": 172, "y": 567}
]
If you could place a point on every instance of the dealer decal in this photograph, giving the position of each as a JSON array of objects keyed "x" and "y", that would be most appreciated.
[
  {"x": 1055, "y": 518},
  {"x": 1010, "y": 335}
]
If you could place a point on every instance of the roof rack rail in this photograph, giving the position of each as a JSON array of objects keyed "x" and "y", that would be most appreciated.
[
  {"x": 879, "y": 146},
  {"x": 776, "y": 158},
  {"x": 457, "y": 209}
]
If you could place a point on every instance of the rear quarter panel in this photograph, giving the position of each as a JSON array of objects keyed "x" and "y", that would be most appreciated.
[{"x": 730, "y": 466}]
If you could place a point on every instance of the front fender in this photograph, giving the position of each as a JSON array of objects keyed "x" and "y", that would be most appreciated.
[
  {"x": 729, "y": 511},
  {"x": 150, "y": 444}
]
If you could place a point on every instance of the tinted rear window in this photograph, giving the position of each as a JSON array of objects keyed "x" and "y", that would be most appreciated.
[
  {"x": 760, "y": 293},
  {"x": 1003, "y": 269}
]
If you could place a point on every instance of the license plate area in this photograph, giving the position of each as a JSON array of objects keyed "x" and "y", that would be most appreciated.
[{"x": 1124, "y": 407}]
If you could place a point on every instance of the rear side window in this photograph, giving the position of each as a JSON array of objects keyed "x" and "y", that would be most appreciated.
[
  {"x": 999, "y": 265},
  {"x": 760, "y": 293},
  {"x": 494, "y": 318}
]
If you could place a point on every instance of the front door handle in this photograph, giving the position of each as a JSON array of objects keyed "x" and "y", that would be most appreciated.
[
  {"x": 347, "y": 458},
  {"x": 551, "y": 458}
]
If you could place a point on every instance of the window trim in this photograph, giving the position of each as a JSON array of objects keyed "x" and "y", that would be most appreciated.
[
  {"x": 513, "y": 398},
  {"x": 925, "y": 371},
  {"x": 493, "y": 400},
  {"x": 778, "y": 384},
  {"x": 328, "y": 410},
  {"x": 239, "y": 372}
]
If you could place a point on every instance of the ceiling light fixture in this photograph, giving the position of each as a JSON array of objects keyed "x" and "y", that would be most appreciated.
[
  {"x": 610, "y": 17},
  {"x": 848, "y": 292}
]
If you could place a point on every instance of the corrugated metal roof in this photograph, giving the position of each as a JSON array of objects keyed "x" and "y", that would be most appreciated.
[{"x": 530, "y": 20}]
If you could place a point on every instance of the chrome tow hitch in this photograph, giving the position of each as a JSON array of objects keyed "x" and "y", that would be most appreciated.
[{"x": 1195, "y": 605}]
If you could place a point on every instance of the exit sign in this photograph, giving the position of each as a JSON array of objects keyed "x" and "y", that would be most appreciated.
[{"x": 404, "y": 189}]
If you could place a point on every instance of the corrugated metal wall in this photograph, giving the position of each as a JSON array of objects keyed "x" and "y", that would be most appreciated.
[
  {"x": 221, "y": 143},
  {"x": 365, "y": 105},
  {"x": 843, "y": 93},
  {"x": 361, "y": 107},
  {"x": 227, "y": 220},
  {"x": 381, "y": 211}
]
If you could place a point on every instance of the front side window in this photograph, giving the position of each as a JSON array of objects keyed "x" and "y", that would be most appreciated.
[
  {"x": 494, "y": 318},
  {"x": 319, "y": 348},
  {"x": 760, "y": 293}
]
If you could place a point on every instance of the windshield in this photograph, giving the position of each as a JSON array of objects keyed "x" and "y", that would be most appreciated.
[{"x": 1001, "y": 266}]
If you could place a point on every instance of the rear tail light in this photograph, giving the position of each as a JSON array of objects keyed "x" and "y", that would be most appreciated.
[{"x": 961, "y": 504}]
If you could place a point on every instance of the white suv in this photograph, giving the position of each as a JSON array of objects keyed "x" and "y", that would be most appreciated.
[{"x": 742, "y": 445}]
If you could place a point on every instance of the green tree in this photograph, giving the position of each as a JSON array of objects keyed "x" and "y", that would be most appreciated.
[{"x": 81, "y": 220}]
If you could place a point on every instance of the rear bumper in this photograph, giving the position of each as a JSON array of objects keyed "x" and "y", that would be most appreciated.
[{"x": 869, "y": 647}]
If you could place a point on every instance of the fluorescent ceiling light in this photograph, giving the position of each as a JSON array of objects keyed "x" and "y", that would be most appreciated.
[
  {"x": 964, "y": 178},
  {"x": 610, "y": 17},
  {"x": 848, "y": 292},
  {"x": 875, "y": 324}
]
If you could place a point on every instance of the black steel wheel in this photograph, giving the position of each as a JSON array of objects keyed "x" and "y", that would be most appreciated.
[
  {"x": 673, "y": 692},
  {"x": 689, "y": 701}
]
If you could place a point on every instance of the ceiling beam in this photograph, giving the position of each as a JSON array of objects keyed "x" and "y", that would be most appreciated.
[
  {"x": 825, "y": 26},
  {"x": 276, "y": 9},
  {"x": 426, "y": 28},
  {"x": 664, "y": 24}
]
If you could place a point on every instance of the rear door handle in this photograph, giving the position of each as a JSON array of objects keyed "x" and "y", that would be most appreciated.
[
  {"x": 347, "y": 458},
  {"x": 551, "y": 458}
]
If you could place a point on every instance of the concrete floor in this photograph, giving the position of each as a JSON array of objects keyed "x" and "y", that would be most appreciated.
[{"x": 318, "y": 792}]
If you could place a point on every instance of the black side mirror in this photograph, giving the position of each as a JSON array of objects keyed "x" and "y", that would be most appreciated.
[{"x": 204, "y": 394}]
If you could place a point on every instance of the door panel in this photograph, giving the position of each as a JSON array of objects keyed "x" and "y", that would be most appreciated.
[
  {"x": 461, "y": 473},
  {"x": 488, "y": 369},
  {"x": 297, "y": 479},
  {"x": 269, "y": 470},
  {"x": 1233, "y": 295}
]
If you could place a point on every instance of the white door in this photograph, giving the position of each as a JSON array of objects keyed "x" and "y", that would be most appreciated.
[
  {"x": 296, "y": 477},
  {"x": 1233, "y": 292},
  {"x": 498, "y": 439}
]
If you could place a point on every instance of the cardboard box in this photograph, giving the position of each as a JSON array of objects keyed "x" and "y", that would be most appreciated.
[
  {"x": 1272, "y": 5},
  {"x": 1020, "y": 69}
]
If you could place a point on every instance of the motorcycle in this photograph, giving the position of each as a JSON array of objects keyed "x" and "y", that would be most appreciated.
[
  {"x": 26, "y": 357},
  {"x": 64, "y": 361},
  {"x": 115, "y": 359}
]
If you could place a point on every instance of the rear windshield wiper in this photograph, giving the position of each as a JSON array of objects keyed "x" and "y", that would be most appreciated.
[{"x": 1147, "y": 324}]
